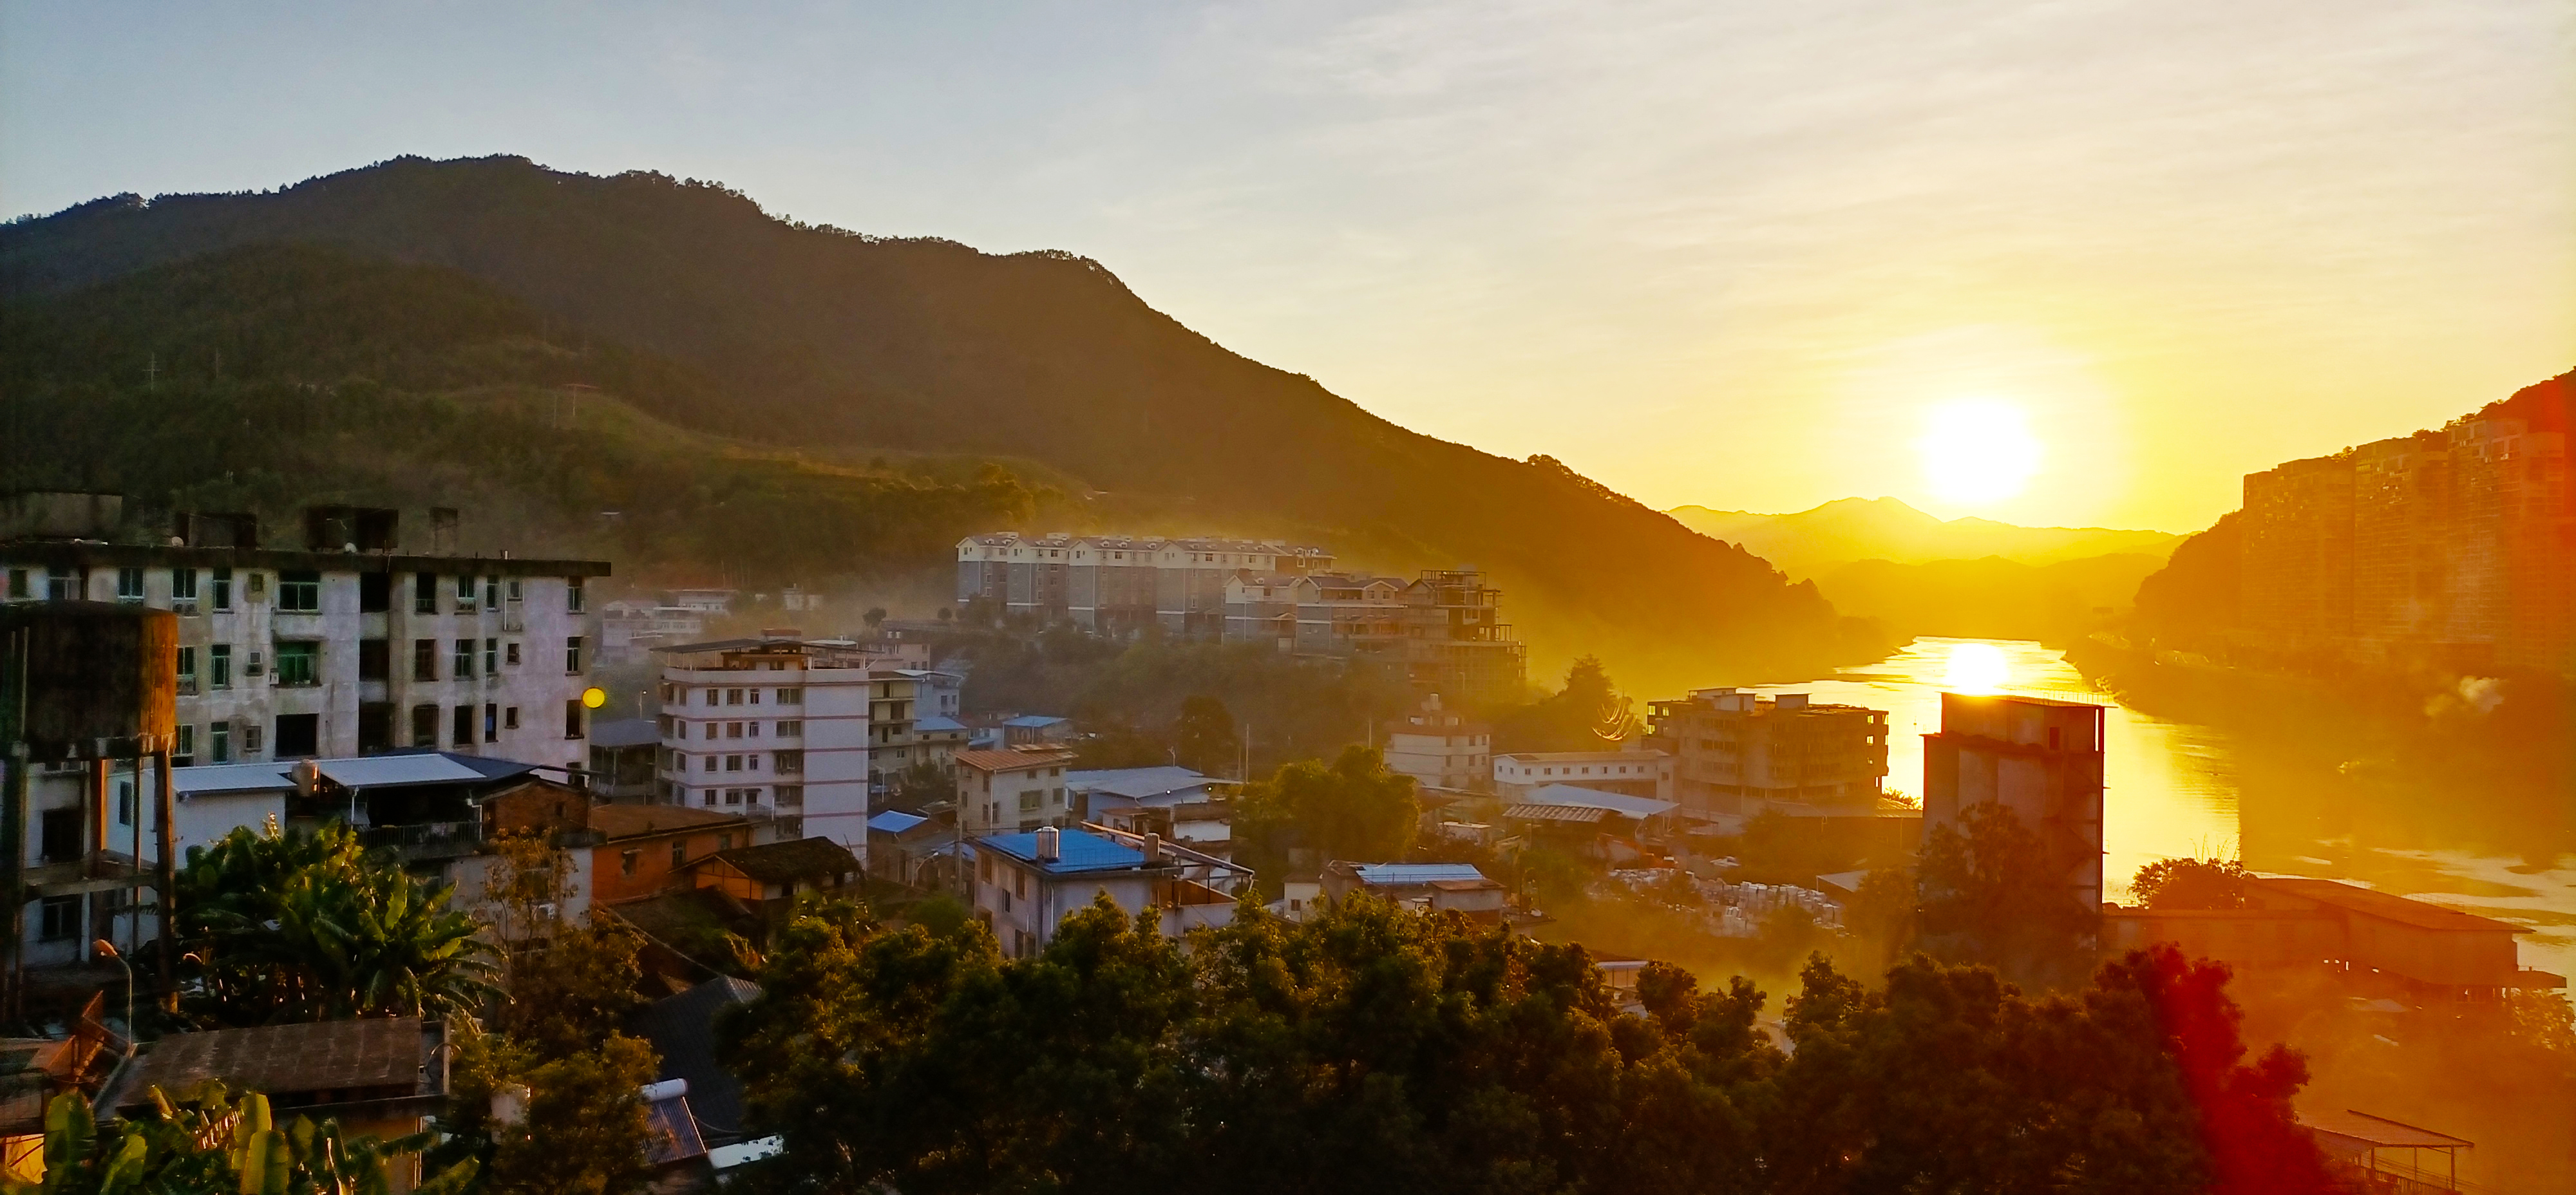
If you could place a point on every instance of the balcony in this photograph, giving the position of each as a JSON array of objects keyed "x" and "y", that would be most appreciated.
[{"x": 425, "y": 840}]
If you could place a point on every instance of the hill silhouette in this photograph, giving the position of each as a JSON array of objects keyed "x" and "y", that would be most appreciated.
[
  {"x": 1811, "y": 542},
  {"x": 686, "y": 304}
]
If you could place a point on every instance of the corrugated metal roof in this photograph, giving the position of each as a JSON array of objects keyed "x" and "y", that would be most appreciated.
[
  {"x": 1076, "y": 851},
  {"x": 895, "y": 821},
  {"x": 389, "y": 771},
  {"x": 1035, "y": 720},
  {"x": 1593, "y": 798},
  {"x": 937, "y": 722},
  {"x": 1570, "y": 814},
  {"x": 1415, "y": 873},
  {"x": 624, "y": 732},
  {"x": 219, "y": 779},
  {"x": 2379, "y": 1131}
]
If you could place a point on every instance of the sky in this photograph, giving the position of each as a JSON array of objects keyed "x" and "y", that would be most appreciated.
[{"x": 2062, "y": 263}]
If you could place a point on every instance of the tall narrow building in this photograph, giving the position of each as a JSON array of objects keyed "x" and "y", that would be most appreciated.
[{"x": 2039, "y": 758}]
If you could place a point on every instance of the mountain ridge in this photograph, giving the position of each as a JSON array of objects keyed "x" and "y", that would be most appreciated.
[
  {"x": 816, "y": 338},
  {"x": 1849, "y": 530}
]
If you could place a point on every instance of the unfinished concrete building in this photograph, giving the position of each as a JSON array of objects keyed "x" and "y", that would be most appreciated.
[
  {"x": 2039, "y": 758},
  {"x": 1741, "y": 753}
]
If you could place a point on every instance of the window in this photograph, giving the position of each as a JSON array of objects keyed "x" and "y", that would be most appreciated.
[
  {"x": 572, "y": 656},
  {"x": 791, "y": 795},
  {"x": 724, "y": 842},
  {"x": 751, "y": 763},
  {"x": 491, "y": 657},
  {"x": 219, "y": 662},
  {"x": 298, "y": 735},
  {"x": 492, "y": 722},
  {"x": 791, "y": 728},
  {"x": 125, "y": 802},
  {"x": 61, "y": 918},
  {"x": 755, "y": 696},
  {"x": 375, "y": 592},
  {"x": 298, "y": 591},
  {"x": 61, "y": 586},
  {"x": 17, "y": 584},
  {"x": 375, "y": 659},
  {"x": 712, "y": 761},
  {"x": 424, "y": 593},
  {"x": 733, "y": 763},
  {"x": 250, "y": 739},
  {"x": 509, "y": 717},
  {"x": 183, "y": 753},
  {"x": 753, "y": 728},
  {"x": 183, "y": 585},
  {"x": 187, "y": 670},
  {"x": 219, "y": 742},
  {"x": 791, "y": 697},
  {"x": 424, "y": 659},
  {"x": 510, "y": 653},
  {"x": 491, "y": 593},
  {"x": 464, "y": 593},
  {"x": 462, "y": 666},
  {"x": 514, "y": 589},
  {"x": 460, "y": 731},
  {"x": 574, "y": 598},
  {"x": 572, "y": 718},
  {"x": 789, "y": 761},
  {"x": 679, "y": 853},
  {"x": 733, "y": 796},
  {"x": 1029, "y": 799},
  {"x": 626, "y": 861},
  {"x": 299, "y": 662},
  {"x": 223, "y": 580},
  {"x": 733, "y": 730},
  {"x": 424, "y": 726},
  {"x": 733, "y": 697},
  {"x": 707, "y": 796},
  {"x": 129, "y": 585}
]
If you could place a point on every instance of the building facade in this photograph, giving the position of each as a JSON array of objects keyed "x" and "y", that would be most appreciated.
[
  {"x": 1636, "y": 773},
  {"x": 770, "y": 729},
  {"x": 1013, "y": 790},
  {"x": 1741, "y": 753},
  {"x": 1118, "y": 584},
  {"x": 1026, "y": 883},
  {"x": 1443, "y": 631},
  {"x": 1441, "y": 748},
  {"x": 2040, "y": 759},
  {"x": 2455, "y": 548}
]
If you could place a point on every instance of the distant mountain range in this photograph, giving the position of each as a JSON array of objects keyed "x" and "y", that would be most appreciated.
[
  {"x": 799, "y": 403},
  {"x": 1810, "y": 542}
]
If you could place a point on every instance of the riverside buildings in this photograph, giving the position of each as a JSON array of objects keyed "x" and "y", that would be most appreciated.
[
  {"x": 1735, "y": 752},
  {"x": 2454, "y": 548},
  {"x": 2038, "y": 758},
  {"x": 1442, "y": 629}
]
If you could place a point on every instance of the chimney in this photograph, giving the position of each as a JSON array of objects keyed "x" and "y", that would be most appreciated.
[
  {"x": 1050, "y": 847},
  {"x": 1153, "y": 849}
]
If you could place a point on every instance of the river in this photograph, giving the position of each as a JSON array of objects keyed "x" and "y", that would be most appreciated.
[{"x": 2174, "y": 788}]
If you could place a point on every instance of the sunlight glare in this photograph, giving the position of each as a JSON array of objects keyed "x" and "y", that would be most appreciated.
[
  {"x": 1976, "y": 668},
  {"x": 1977, "y": 450}
]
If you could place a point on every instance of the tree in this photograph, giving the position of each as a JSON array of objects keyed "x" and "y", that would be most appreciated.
[
  {"x": 583, "y": 1132},
  {"x": 1588, "y": 714},
  {"x": 924, "y": 782},
  {"x": 306, "y": 926},
  {"x": 1354, "y": 809},
  {"x": 1882, "y": 912},
  {"x": 1203, "y": 738},
  {"x": 208, "y": 1141},
  {"x": 1993, "y": 892},
  {"x": 2191, "y": 884},
  {"x": 875, "y": 617}
]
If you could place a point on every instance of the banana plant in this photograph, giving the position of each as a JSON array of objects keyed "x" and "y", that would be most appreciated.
[{"x": 212, "y": 1144}]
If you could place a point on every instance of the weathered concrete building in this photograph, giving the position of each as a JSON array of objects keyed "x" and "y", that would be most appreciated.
[
  {"x": 2039, "y": 758},
  {"x": 1118, "y": 584},
  {"x": 1741, "y": 753}
]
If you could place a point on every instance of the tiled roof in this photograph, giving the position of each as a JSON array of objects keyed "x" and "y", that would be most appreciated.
[{"x": 788, "y": 862}]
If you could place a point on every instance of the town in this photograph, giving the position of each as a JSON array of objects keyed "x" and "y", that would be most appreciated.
[{"x": 180, "y": 696}]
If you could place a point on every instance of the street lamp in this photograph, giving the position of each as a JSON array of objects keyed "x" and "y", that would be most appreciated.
[{"x": 105, "y": 947}]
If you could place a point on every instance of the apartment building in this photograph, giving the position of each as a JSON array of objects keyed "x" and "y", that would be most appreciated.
[
  {"x": 1741, "y": 753},
  {"x": 906, "y": 729},
  {"x": 347, "y": 646},
  {"x": 773, "y": 729},
  {"x": 2454, "y": 547},
  {"x": 1013, "y": 790},
  {"x": 1635, "y": 773},
  {"x": 1441, "y": 748},
  {"x": 1118, "y": 584},
  {"x": 1025, "y": 883},
  {"x": 1443, "y": 630}
]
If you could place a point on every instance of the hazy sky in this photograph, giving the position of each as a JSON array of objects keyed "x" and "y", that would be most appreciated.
[{"x": 1723, "y": 253}]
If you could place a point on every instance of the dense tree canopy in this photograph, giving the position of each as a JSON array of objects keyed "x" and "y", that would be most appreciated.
[
  {"x": 1353, "y": 808},
  {"x": 1993, "y": 891},
  {"x": 1371, "y": 1049}
]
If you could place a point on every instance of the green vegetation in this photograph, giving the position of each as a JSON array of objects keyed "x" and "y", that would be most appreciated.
[
  {"x": 688, "y": 302},
  {"x": 304, "y": 926},
  {"x": 209, "y": 1142},
  {"x": 2190, "y": 884},
  {"x": 1587, "y": 714},
  {"x": 1374, "y": 1050},
  {"x": 1994, "y": 893},
  {"x": 1308, "y": 814}
]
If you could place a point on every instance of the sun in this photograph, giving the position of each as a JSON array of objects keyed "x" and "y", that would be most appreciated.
[
  {"x": 1977, "y": 451},
  {"x": 1976, "y": 668}
]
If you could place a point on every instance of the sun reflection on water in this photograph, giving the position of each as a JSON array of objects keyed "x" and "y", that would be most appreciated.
[{"x": 1977, "y": 668}]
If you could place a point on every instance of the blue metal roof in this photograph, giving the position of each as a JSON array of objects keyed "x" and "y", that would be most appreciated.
[
  {"x": 1034, "y": 720},
  {"x": 1076, "y": 851},
  {"x": 895, "y": 821},
  {"x": 937, "y": 722},
  {"x": 1416, "y": 873}
]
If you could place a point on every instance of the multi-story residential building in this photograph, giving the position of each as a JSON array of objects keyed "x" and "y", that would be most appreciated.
[
  {"x": 1118, "y": 584},
  {"x": 1012, "y": 790},
  {"x": 2040, "y": 759},
  {"x": 1443, "y": 630},
  {"x": 1026, "y": 882},
  {"x": 905, "y": 730},
  {"x": 2454, "y": 547},
  {"x": 771, "y": 729},
  {"x": 1740, "y": 753},
  {"x": 348, "y": 646},
  {"x": 630, "y": 630},
  {"x": 1441, "y": 748},
  {"x": 1639, "y": 773}
]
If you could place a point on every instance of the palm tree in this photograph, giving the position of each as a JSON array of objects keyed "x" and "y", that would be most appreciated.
[{"x": 306, "y": 926}]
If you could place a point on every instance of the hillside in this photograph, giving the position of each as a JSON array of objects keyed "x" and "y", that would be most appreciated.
[
  {"x": 687, "y": 303},
  {"x": 1992, "y": 598},
  {"x": 1809, "y": 542}
]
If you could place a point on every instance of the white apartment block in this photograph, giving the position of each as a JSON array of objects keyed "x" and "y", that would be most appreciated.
[
  {"x": 1115, "y": 584},
  {"x": 773, "y": 729},
  {"x": 1637, "y": 773}
]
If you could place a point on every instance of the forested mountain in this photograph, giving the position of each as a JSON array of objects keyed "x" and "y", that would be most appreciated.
[{"x": 697, "y": 316}]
